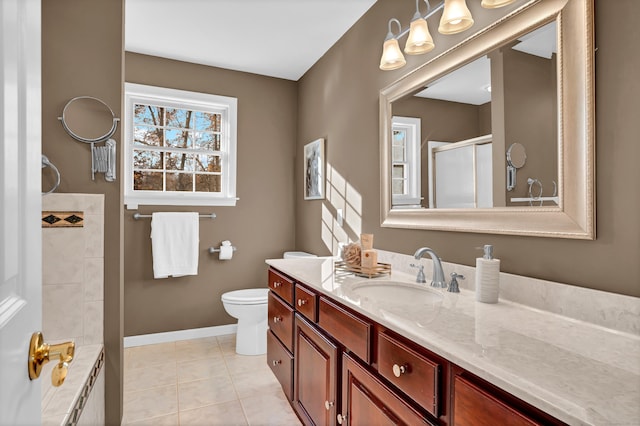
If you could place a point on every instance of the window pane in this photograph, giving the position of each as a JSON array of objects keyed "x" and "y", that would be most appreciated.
[
  {"x": 147, "y": 181},
  {"x": 208, "y": 141},
  {"x": 207, "y": 121},
  {"x": 398, "y": 171},
  {"x": 148, "y": 114},
  {"x": 208, "y": 183},
  {"x": 398, "y": 154},
  {"x": 181, "y": 118},
  {"x": 177, "y": 161},
  {"x": 147, "y": 136},
  {"x": 208, "y": 163},
  {"x": 398, "y": 186},
  {"x": 179, "y": 182},
  {"x": 147, "y": 160},
  {"x": 399, "y": 137},
  {"x": 178, "y": 138}
]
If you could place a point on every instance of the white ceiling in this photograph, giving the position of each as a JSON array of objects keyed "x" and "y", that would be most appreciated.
[
  {"x": 277, "y": 38},
  {"x": 469, "y": 84}
]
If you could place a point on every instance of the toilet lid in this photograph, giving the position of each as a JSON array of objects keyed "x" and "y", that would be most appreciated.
[{"x": 250, "y": 296}]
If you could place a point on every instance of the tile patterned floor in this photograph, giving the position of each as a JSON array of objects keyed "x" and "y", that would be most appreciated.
[{"x": 201, "y": 382}]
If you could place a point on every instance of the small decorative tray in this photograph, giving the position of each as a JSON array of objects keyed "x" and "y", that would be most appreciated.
[{"x": 379, "y": 270}]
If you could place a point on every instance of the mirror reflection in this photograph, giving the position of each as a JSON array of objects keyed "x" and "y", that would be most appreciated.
[{"x": 458, "y": 141}]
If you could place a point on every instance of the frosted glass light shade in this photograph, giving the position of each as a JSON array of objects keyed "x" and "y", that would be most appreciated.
[
  {"x": 494, "y": 4},
  {"x": 455, "y": 17},
  {"x": 420, "y": 40},
  {"x": 392, "y": 57}
]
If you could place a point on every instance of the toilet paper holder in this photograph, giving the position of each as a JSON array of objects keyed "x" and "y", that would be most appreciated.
[{"x": 217, "y": 250}]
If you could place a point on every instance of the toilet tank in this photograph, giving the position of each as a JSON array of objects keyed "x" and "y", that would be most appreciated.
[{"x": 297, "y": 254}]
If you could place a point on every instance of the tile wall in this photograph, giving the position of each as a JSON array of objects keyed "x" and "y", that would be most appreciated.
[{"x": 73, "y": 271}]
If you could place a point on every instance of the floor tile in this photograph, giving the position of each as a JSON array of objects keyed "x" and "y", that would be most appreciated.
[
  {"x": 224, "y": 414},
  {"x": 269, "y": 409},
  {"x": 201, "y": 382},
  {"x": 189, "y": 371},
  {"x": 209, "y": 391},
  {"x": 152, "y": 402},
  {"x": 137, "y": 379}
]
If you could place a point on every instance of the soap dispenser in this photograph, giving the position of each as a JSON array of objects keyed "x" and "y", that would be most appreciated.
[{"x": 487, "y": 277}]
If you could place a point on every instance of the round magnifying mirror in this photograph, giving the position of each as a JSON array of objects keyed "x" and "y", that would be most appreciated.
[
  {"x": 516, "y": 155},
  {"x": 88, "y": 119}
]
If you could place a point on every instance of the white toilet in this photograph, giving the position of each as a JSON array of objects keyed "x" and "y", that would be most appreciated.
[{"x": 249, "y": 306}]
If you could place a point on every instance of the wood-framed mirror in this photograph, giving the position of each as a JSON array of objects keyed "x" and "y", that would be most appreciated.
[{"x": 569, "y": 209}]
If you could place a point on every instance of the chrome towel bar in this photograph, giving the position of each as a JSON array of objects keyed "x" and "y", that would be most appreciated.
[{"x": 137, "y": 216}]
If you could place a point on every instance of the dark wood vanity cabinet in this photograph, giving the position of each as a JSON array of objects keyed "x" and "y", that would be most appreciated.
[
  {"x": 315, "y": 375},
  {"x": 338, "y": 366},
  {"x": 366, "y": 400}
]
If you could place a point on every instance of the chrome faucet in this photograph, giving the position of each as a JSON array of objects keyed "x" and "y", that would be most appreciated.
[{"x": 438, "y": 276}]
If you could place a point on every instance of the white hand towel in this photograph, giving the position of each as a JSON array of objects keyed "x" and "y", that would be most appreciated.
[{"x": 174, "y": 242}]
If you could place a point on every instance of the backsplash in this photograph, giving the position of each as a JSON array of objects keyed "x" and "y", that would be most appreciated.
[
  {"x": 610, "y": 310},
  {"x": 73, "y": 270}
]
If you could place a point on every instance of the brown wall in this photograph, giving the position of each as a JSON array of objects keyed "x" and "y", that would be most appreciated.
[
  {"x": 530, "y": 116},
  {"x": 339, "y": 101},
  {"x": 82, "y": 54},
  {"x": 261, "y": 226}
]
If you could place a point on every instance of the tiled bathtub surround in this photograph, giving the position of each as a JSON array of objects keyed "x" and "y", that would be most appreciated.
[
  {"x": 73, "y": 271},
  {"x": 72, "y": 308},
  {"x": 610, "y": 310}
]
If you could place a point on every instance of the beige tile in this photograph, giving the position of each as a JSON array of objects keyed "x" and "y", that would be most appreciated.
[
  {"x": 94, "y": 235},
  {"x": 93, "y": 279},
  {"x": 93, "y": 322},
  {"x": 227, "y": 344},
  {"x": 151, "y": 377},
  {"x": 238, "y": 364},
  {"x": 189, "y": 371},
  {"x": 254, "y": 383},
  {"x": 223, "y": 414},
  {"x": 149, "y": 355},
  {"x": 189, "y": 350},
  {"x": 62, "y": 311},
  {"x": 150, "y": 402},
  {"x": 269, "y": 409},
  {"x": 208, "y": 391},
  {"x": 168, "y": 420},
  {"x": 62, "y": 255}
]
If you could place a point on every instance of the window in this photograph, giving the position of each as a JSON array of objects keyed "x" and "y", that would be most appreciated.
[
  {"x": 180, "y": 147},
  {"x": 405, "y": 162}
]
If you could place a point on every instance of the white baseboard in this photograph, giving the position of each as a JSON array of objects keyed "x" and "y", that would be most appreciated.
[{"x": 174, "y": 336}]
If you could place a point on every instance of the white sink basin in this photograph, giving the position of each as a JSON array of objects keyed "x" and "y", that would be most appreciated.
[{"x": 402, "y": 293}]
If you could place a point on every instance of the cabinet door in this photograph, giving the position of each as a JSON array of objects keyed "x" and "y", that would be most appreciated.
[
  {"x": 367, "y": 401},
  {"x": 316, "y": 375},
  {"x": 473, "y": 406}
]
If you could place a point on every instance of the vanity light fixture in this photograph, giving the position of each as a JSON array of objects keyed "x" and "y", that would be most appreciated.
[
  {"x": 493, "y": 4},
  {"x": 392, "y": 57},
  {"x": 455, "y": 19}
]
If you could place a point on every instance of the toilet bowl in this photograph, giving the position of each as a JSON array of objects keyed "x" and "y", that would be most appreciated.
[{"x": 250, "y": 308}]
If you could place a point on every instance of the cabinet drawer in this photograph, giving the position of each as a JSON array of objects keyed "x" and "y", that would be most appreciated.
[
  {"x": 306, "y": 302},
  {"x": 473, "y": 406},
  {"x": 412, "y": 372},
  {"x": 281, "y": 363},
  {"x": 281, "y": 321},
  {"x": 281, "y": 285},
  {"x": 352, "y": 332}
]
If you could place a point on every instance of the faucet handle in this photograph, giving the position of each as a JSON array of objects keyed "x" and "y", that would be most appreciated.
[
  {"x": 453, "y": 287},
  {"x": 420, "y": 278}
]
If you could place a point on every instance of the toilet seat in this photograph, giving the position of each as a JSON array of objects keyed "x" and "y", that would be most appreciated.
[{"x": 250, "y": 296}]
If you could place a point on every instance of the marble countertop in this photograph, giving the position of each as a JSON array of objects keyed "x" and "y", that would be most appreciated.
[{"x": 581, "y": 373}]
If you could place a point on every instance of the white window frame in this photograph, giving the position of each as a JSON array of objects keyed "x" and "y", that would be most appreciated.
[
  {"x": 173, "y": 98},
  {"x": 412, "y": 196}
]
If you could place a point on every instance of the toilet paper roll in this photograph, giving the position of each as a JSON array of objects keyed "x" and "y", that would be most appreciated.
[
  {"x": 487, "y": 280},
  {"x": 226, "y": 251}
]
